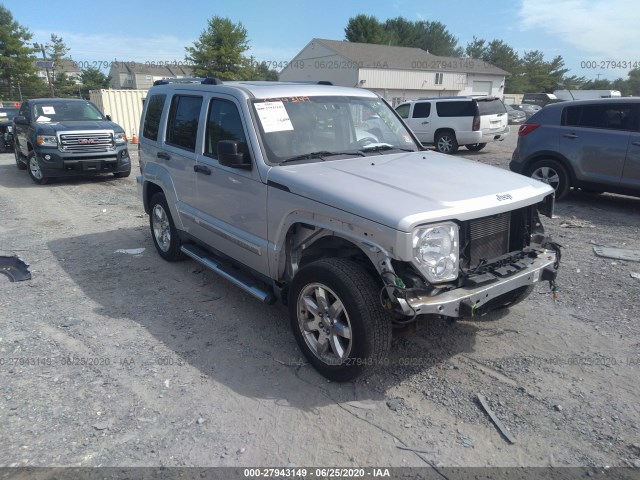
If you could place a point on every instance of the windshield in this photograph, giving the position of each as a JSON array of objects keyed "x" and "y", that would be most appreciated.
[
  {"x": 313, "y": 128},
  {"x": 6, "y": 113},
  {"x": 66, "y": 112}
]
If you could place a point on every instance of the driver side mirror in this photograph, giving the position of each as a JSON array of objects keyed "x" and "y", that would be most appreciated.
[
  {"x": 229, "y": 157},
  {"x": 21, "y": 120},
  {"x": 108, "y": 117}
]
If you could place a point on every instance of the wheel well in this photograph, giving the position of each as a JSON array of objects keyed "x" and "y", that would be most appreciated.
[
  {"x": 440, "y": 130},
  {"x": 545, "y": 156},
  {"x": 332, "y": 246},
  {"x": 150, "y": 190}
]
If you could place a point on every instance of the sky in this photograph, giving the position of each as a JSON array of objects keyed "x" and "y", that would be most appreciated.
[{"x": 594, "y": 37}]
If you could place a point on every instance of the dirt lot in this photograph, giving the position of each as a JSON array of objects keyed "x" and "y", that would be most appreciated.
[{"x": 114, "y": 359}]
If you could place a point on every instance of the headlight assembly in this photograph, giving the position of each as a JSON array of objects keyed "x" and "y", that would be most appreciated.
[
  {"x": 47, "y": 140},
  {"x": 436, "y": 251}
]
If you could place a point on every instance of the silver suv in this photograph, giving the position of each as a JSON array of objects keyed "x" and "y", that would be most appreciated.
[
  {"x": 593, "y": 145},
  {"x": 448, "y": 122},
  {"x": 318, "y": 196}
]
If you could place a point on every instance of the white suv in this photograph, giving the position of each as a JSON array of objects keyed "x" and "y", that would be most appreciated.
[{"x": 448, "y": 122}]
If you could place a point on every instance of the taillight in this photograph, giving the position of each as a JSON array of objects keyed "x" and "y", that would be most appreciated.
[
  {"x": 476, "y": 124},
  {"x": 527, "y": 128}
]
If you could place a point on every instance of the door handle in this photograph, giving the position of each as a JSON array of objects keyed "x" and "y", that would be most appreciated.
[
  {"x": 570, "y": 135},
  {"x": 202, "y": 169},
  {"x": 637, "y": 144},
  {"x": 425, "y": 123},
  {"x": 164, "y": 155}
]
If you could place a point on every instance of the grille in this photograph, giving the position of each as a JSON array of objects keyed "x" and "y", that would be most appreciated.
[
  {"x": 86, "y": 142},
  {"x": 489, "y": 237}
]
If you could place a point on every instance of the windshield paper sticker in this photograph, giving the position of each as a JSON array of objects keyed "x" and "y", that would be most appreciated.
[
  {"x": 273, "y": 116},
  {"x": 42, "y": 118},
  {"x": 48, "y": 110}
]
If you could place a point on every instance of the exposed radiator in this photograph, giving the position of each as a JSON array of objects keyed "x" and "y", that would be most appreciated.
[{"x": 489, "y": 237}]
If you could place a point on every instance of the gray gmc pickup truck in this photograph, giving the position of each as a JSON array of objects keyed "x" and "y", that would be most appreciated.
[
  {"x": 62, "y": 137},
  {"x": 283, "y": 190}
]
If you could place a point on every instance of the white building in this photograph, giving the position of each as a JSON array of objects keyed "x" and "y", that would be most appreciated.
[{"x": 395, "y": 73}]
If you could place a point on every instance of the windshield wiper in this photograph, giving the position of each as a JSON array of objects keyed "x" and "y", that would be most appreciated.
[
  {"x": 380, "y": 148},
  {"x": 321, "y": 154}
]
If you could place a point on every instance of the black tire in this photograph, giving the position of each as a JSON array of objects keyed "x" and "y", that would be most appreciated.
[
  {"x": 19, "y": 163},
  {"x": 552, "y": 173},
  {"x": 163, "y": 230},
  {"x": 446, "y": 142},
  {"x": 360, "y": 314},
  {"x": 476, "y": 147},
  {"x": 124, "y": 174},
  {"x": 34, "y": 170}
]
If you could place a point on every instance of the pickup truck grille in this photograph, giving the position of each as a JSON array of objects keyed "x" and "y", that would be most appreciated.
[
  {"x": 489, "y": 237},
  {"x": 87, "y": 141}
]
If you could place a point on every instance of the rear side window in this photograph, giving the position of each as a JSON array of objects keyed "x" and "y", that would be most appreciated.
[
  {"x": 224, "y": 123},
  {"x": 611, "y": 116},
  {"x": 421, "y": 110},
  {"x": 182, "y": 127},
  {"x": 403, "y": 110},
  {"x": 152, "y": 117},
  {"x": 456, "y": 109},
  {"x": 491, "y": 107}
]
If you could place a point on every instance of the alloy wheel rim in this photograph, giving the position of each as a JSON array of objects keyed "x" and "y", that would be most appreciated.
[
  {"x": 547, "y": 175},
  {"x": 324, "y": 324},
  {"x": 35, "y": 168},
  {"x": 161, "y": 228}
]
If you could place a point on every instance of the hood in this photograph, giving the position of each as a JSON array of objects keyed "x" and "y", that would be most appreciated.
[
  {"x": 404, "y": 190},
  {"x": 54, "y": 127}
]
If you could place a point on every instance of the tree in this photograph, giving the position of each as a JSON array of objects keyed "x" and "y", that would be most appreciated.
[
  {"x": 365, "y": 29},
  {"x": 56, "y": 53},
  {"x": 436, "y": 39},
  {"x": 633, "y": 83},
  {"x": 219, "y": 51},
  {"x": 93, "y": 79},
  {"x": 400, "y": 31},
  {"x": 18, "y": 77},
  {"x": 261, "y": 71},
  {"x": 477, "y": 48}
]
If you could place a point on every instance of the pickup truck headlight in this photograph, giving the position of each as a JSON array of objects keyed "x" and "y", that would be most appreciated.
[
  {"x": 120, "y": 138},
  {"x": 47, "y": 140},
  {"x": 436, "y": 251}
]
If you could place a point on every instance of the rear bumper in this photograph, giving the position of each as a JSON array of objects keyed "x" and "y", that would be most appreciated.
[
  {"x": 495, "y": 136},
  {"x": 463, "y": 301}
]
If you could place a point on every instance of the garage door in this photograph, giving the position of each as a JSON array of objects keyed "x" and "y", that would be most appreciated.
[{"x": 481, "y": 88}]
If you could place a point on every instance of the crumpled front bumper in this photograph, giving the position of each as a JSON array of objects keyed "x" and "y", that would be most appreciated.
[{"x": 465, "y": 301}]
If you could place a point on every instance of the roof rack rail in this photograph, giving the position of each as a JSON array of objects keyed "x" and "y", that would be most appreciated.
[{"x": 204, "y": 81}]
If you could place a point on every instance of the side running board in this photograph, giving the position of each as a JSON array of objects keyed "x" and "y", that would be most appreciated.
[{"x": 235, "y": 275}]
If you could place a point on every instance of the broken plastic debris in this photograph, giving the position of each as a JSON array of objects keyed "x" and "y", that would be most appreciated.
[
  {"x": 15, "y": 268},
  {"x": 130, "y": 251},
  {"x": 618, "y": 253}
]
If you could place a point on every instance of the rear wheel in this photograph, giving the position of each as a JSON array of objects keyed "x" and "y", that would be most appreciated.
[
  {"x": 35, "y": 172},
  {"x": 552, "y": 173},
  {"x": 337, "y": 318},
  {"x": 476, "y": 147},
  {"x": 446, "y": 142}
]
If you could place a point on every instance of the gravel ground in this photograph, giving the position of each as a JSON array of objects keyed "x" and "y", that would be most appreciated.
[{"x": 116, "y": 359}]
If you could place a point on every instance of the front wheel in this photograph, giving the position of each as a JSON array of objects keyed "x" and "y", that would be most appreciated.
[
  {"x": 163, "y": 230},
  {"x": 476, "y": 147},
  {"x": 552, "y": 173},
  {"x": 35, "y": 172},
  {"x": 337, "y": 318},
  {"x": 124, "y": 174},
  {"x": 19, "y": 163},
  {"x": 446, "y": 142}
]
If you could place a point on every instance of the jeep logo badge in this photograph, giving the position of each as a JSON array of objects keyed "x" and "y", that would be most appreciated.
[{"x": 506, "y": 196}]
